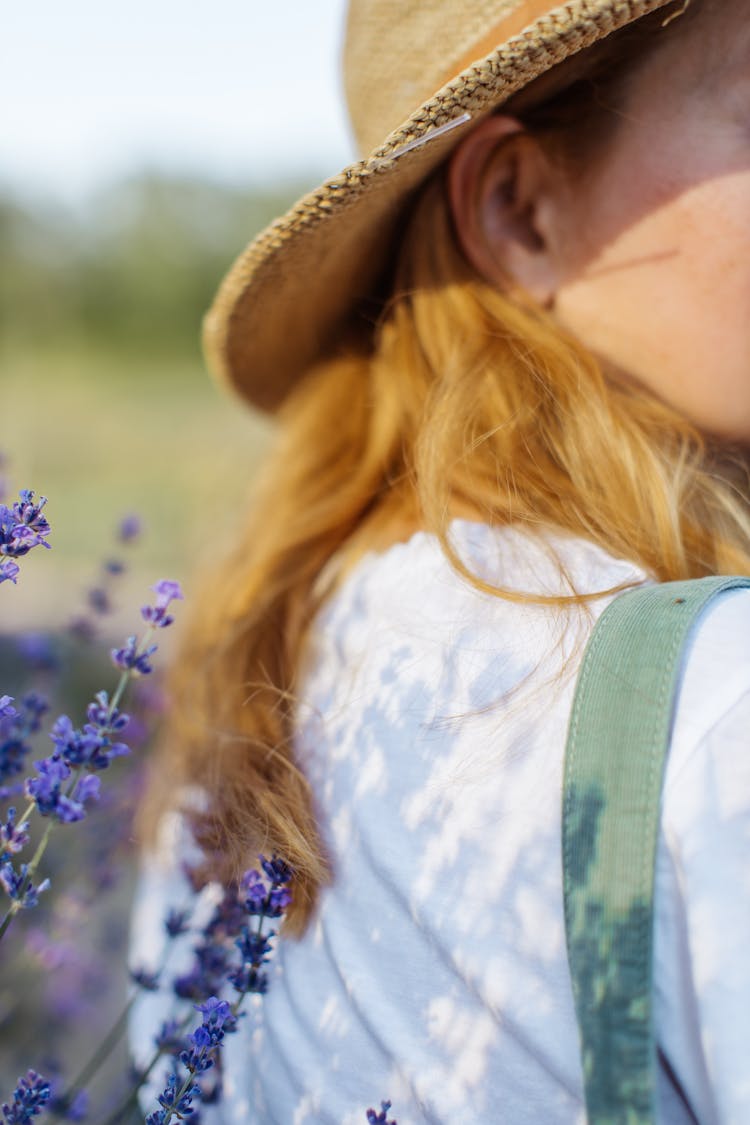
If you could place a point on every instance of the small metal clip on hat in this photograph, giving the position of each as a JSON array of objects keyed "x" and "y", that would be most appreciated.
[{"x": 430, "y": 135}]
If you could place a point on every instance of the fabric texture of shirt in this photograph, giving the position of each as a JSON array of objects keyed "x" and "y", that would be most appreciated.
[{"x": 432, "y": 724}]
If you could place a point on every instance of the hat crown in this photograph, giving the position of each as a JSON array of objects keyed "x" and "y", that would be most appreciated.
[{"x": 398, "y": 53}]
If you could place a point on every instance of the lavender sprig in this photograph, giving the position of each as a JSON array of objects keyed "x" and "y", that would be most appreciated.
[
  {"x": 172, "y": 1042},
  {"x": 215, "y": 965},
  {"x": 99, "y": 596},
  {"x": 17, "y": 725},
  {"x": 22, "y": 527},
  {"x": 29, "y": 1098},
  {"x": 64, "y": 782}
]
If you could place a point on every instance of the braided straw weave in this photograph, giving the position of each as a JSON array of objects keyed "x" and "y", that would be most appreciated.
[{"x": 300, "y": 285}]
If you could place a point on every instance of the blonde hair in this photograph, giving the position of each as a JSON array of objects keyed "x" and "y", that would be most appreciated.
[{"x": 468, "y": 401}]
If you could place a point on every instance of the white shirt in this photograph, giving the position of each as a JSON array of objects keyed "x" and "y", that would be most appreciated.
[{"x": 432, "y": 725}]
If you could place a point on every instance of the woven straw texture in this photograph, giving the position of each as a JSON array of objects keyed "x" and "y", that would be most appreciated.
[{"x": 297, "y": 287}]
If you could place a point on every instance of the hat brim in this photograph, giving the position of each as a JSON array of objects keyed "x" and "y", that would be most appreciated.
[{"x": 293, "y": 293}]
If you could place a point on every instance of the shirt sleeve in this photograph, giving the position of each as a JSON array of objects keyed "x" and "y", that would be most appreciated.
[{"x": 702, "y": 939}]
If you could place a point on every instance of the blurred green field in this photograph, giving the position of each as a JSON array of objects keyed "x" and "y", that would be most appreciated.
[
  {"x": 101, "y": 439},
  {"x": 104, "y": 403}
]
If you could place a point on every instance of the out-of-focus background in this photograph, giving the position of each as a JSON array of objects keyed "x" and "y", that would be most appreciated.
[{"x": 141, "y": 147}]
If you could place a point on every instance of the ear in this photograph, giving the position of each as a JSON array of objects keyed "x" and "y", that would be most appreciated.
[{"x": 504, "y": 208}]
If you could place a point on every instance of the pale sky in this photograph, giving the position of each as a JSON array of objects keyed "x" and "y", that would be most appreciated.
[{"x": 225, "y": 89}]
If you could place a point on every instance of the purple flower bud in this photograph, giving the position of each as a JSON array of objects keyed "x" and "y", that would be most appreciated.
[
  {"x": 98, "y": 714},
  {"x": 75, "y": 1110},
  {"x": 249, "y": 979},
  {"x": 216, "y": 1013},
  {"x": 89, "y": 747},
  {"x": 22, "y": 527},
  {"x": 83, "y": 629},
  {"x": 276, "y": 870},
  {"x": 176, "y": 922},
  {"x": 169, "y": 1039},
  {"x": 45, "y": 788},
  {"x": 257, "y": 896},
  {"x": 15, "y": 885},
  {"x": 9, "y": 571},
  {"x": 38, "y": 651},
  {"x": 254, "y": 947},
  {"x": 167, "y": 590},
  {"x": 172, "y": 1103},
  {"x": 98, "y": 599},
  {"x": 129, "y": 529},
  {"x": 145, "y": 979},
  {"x": 13, "y": 837},
  {"x": 156, "y": 616},
  {"x": 278, "y": 902},
  {"x": 130, "y": 659},
  {"x": 87, "y": 789},
  {"x": 15, "y": 726},
  {"x": 381, "y": 1118},
  {"x": 29, "y": 1096}
]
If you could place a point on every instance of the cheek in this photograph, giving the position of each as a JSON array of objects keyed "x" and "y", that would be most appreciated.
[{"x": 666, "y": 300}]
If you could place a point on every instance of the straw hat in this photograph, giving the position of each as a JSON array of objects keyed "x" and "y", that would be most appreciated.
[{"x": 419, "y": 74}]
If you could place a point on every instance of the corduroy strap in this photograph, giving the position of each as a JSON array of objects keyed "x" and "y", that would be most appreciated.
[{"x": 619, "y": 733}]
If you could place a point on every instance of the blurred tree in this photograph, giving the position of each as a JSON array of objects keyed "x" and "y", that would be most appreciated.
[{"x": 134, "y": 274}]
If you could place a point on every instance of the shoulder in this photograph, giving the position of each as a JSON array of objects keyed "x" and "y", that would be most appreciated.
[
  {"x": 416, "y": 576},
  {"x": 410, "y": 599},
  {"x": 707, "y": 780},
  {"x": 714, "y": 696},
  {"x": 702, "y": 972}
]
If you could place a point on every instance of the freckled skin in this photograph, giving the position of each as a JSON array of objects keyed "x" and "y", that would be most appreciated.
[{"x": 655, "y": 270}]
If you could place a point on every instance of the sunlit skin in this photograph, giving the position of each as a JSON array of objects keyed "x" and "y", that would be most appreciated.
[{"x": 646, "y": 258}]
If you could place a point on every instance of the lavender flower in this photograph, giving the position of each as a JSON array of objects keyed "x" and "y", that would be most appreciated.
[
  {"x": 261, "y": 900},
  {"x": 6, "y": 707},
  {"x": 15, "y": 727},
  {"x": 276, "y": 869},
  {"x": 29, "y": 1096},
  {"x": 103, "y": 716},
  {"x": 132, "y": 659},
  {"x": 99, "y": 600},
  {"x": 92, "y": 746},
  {"x": 215, "y": 964},
  {"x": 38, "y": 651},
  {"x": 255, "y": 892},
  {"x": 381, "y": 1118},
  {"x": 74, "y": 1110},
  {"x": 170, "y": 1040},
  {"x": 22, "y": 526},
  {"x": 146, "y": 980},
  {"x": 9, "y": 571},
  {"x": 174, "y": 1100},
  {"x": 129, "y": 529},
  {"x": 167, "y": 591},
  {"x": 17, "y": 886},
  {"x": 208, "y": 973},
  {"x": 177, "y": 922},
  {"x": 13, "y": 837},
  {"x": 45, "y": 790},
  {"x": 218, "y": 1020}
]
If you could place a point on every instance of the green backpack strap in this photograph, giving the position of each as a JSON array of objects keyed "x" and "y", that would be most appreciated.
[{"x": 620, "y": 728}]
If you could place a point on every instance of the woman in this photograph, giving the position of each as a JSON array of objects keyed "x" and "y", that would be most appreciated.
[{"x": 511, "y": 357}]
